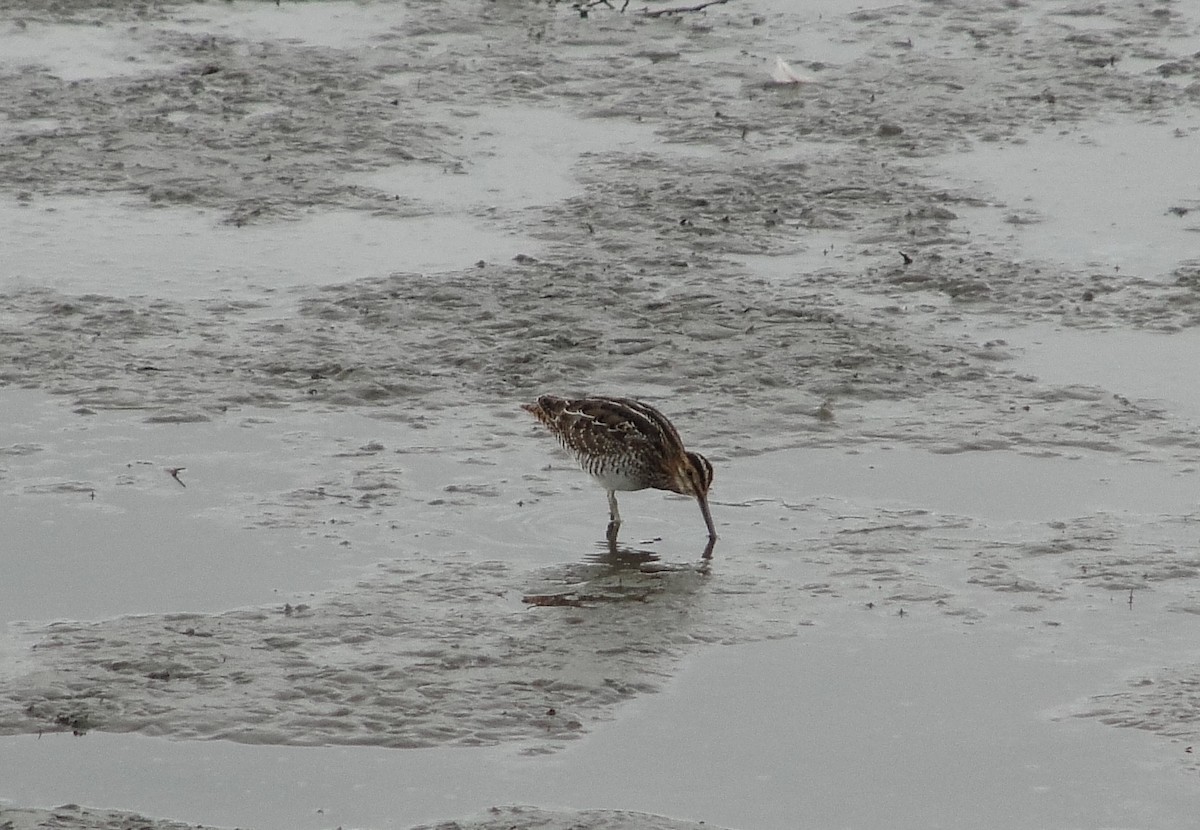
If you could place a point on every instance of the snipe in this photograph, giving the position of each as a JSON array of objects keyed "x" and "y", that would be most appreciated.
[{"x": 626, "y": 445}]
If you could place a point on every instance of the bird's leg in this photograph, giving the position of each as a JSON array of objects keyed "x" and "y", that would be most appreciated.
[
  {"x": 611, "y": 538},
  {"x": 614, "y": 516}
]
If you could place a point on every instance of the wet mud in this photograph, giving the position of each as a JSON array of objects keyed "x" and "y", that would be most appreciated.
[
  {"x": 422, "y": 653},
  {"x": 784, "y": 268},
  {"x": 73, "y": 817}
]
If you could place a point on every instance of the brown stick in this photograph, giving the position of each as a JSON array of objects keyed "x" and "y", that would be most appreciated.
[{"x": 683, "y": 9}]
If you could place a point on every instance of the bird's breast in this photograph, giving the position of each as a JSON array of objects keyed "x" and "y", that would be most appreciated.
[{"x": 618, "y": 473}]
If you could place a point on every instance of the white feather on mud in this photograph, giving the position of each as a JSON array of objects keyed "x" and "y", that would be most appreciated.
[{"x": 783, "y": 73}]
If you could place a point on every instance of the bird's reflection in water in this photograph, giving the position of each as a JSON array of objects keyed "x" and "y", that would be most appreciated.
[
  {"x": 620, "y": 557},
  {"x": 619, "y": 573}
]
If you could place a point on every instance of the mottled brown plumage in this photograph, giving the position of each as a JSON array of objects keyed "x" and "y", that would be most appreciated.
[{"x": 626, "y": 445}]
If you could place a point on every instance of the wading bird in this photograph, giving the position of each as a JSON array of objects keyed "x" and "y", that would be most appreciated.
[{"x": 626, "y": 445}]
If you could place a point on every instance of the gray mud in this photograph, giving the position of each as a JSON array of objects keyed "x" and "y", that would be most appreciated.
[
  {"x": 783, "y": 268},
  {"x": 420, "y": 654},
  {"x": 70, "y": 816},
  {"x": 73, "y": 817}
]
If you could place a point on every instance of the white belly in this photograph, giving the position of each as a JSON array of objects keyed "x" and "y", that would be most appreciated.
[{"x": 613, "y": 479}]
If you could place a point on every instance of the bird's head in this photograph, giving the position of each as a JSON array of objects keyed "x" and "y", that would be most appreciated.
[{"x": 694, "y": 475}]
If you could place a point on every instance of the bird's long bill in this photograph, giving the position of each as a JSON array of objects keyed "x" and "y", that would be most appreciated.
[{"x": 712, "y": 531}]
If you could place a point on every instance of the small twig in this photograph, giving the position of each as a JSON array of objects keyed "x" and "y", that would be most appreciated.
[
  {"x": 683, "y": 9},
  {"x": 549, "y": 600}
]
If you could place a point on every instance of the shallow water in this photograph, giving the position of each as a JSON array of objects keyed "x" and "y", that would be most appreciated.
[
  {"x": 78, "y": 52},
  {"x": 887, "y": 728},
  {"x": 101, "y": 244},
  {"x": 290, "y": 501},
  {"x": 884, "y": 722},
  {"x": 515, "y": 157},
  {"x": 990, "y": 485},
  {"x": 1096, "y": 195},
  {"x": 333, "y": 25},
  {"x": 1154, "y": 368},
  {"x": 278, "y": 253}
]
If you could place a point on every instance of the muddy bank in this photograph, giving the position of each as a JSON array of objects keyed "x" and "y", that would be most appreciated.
[
  {"x": 422, "y": 653},
  {"x": 73, "y": 817},
  {"x": 642, "y": 277},
  {"x": 83, "y": 818},
  {"x": 782, "y": 268}
]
